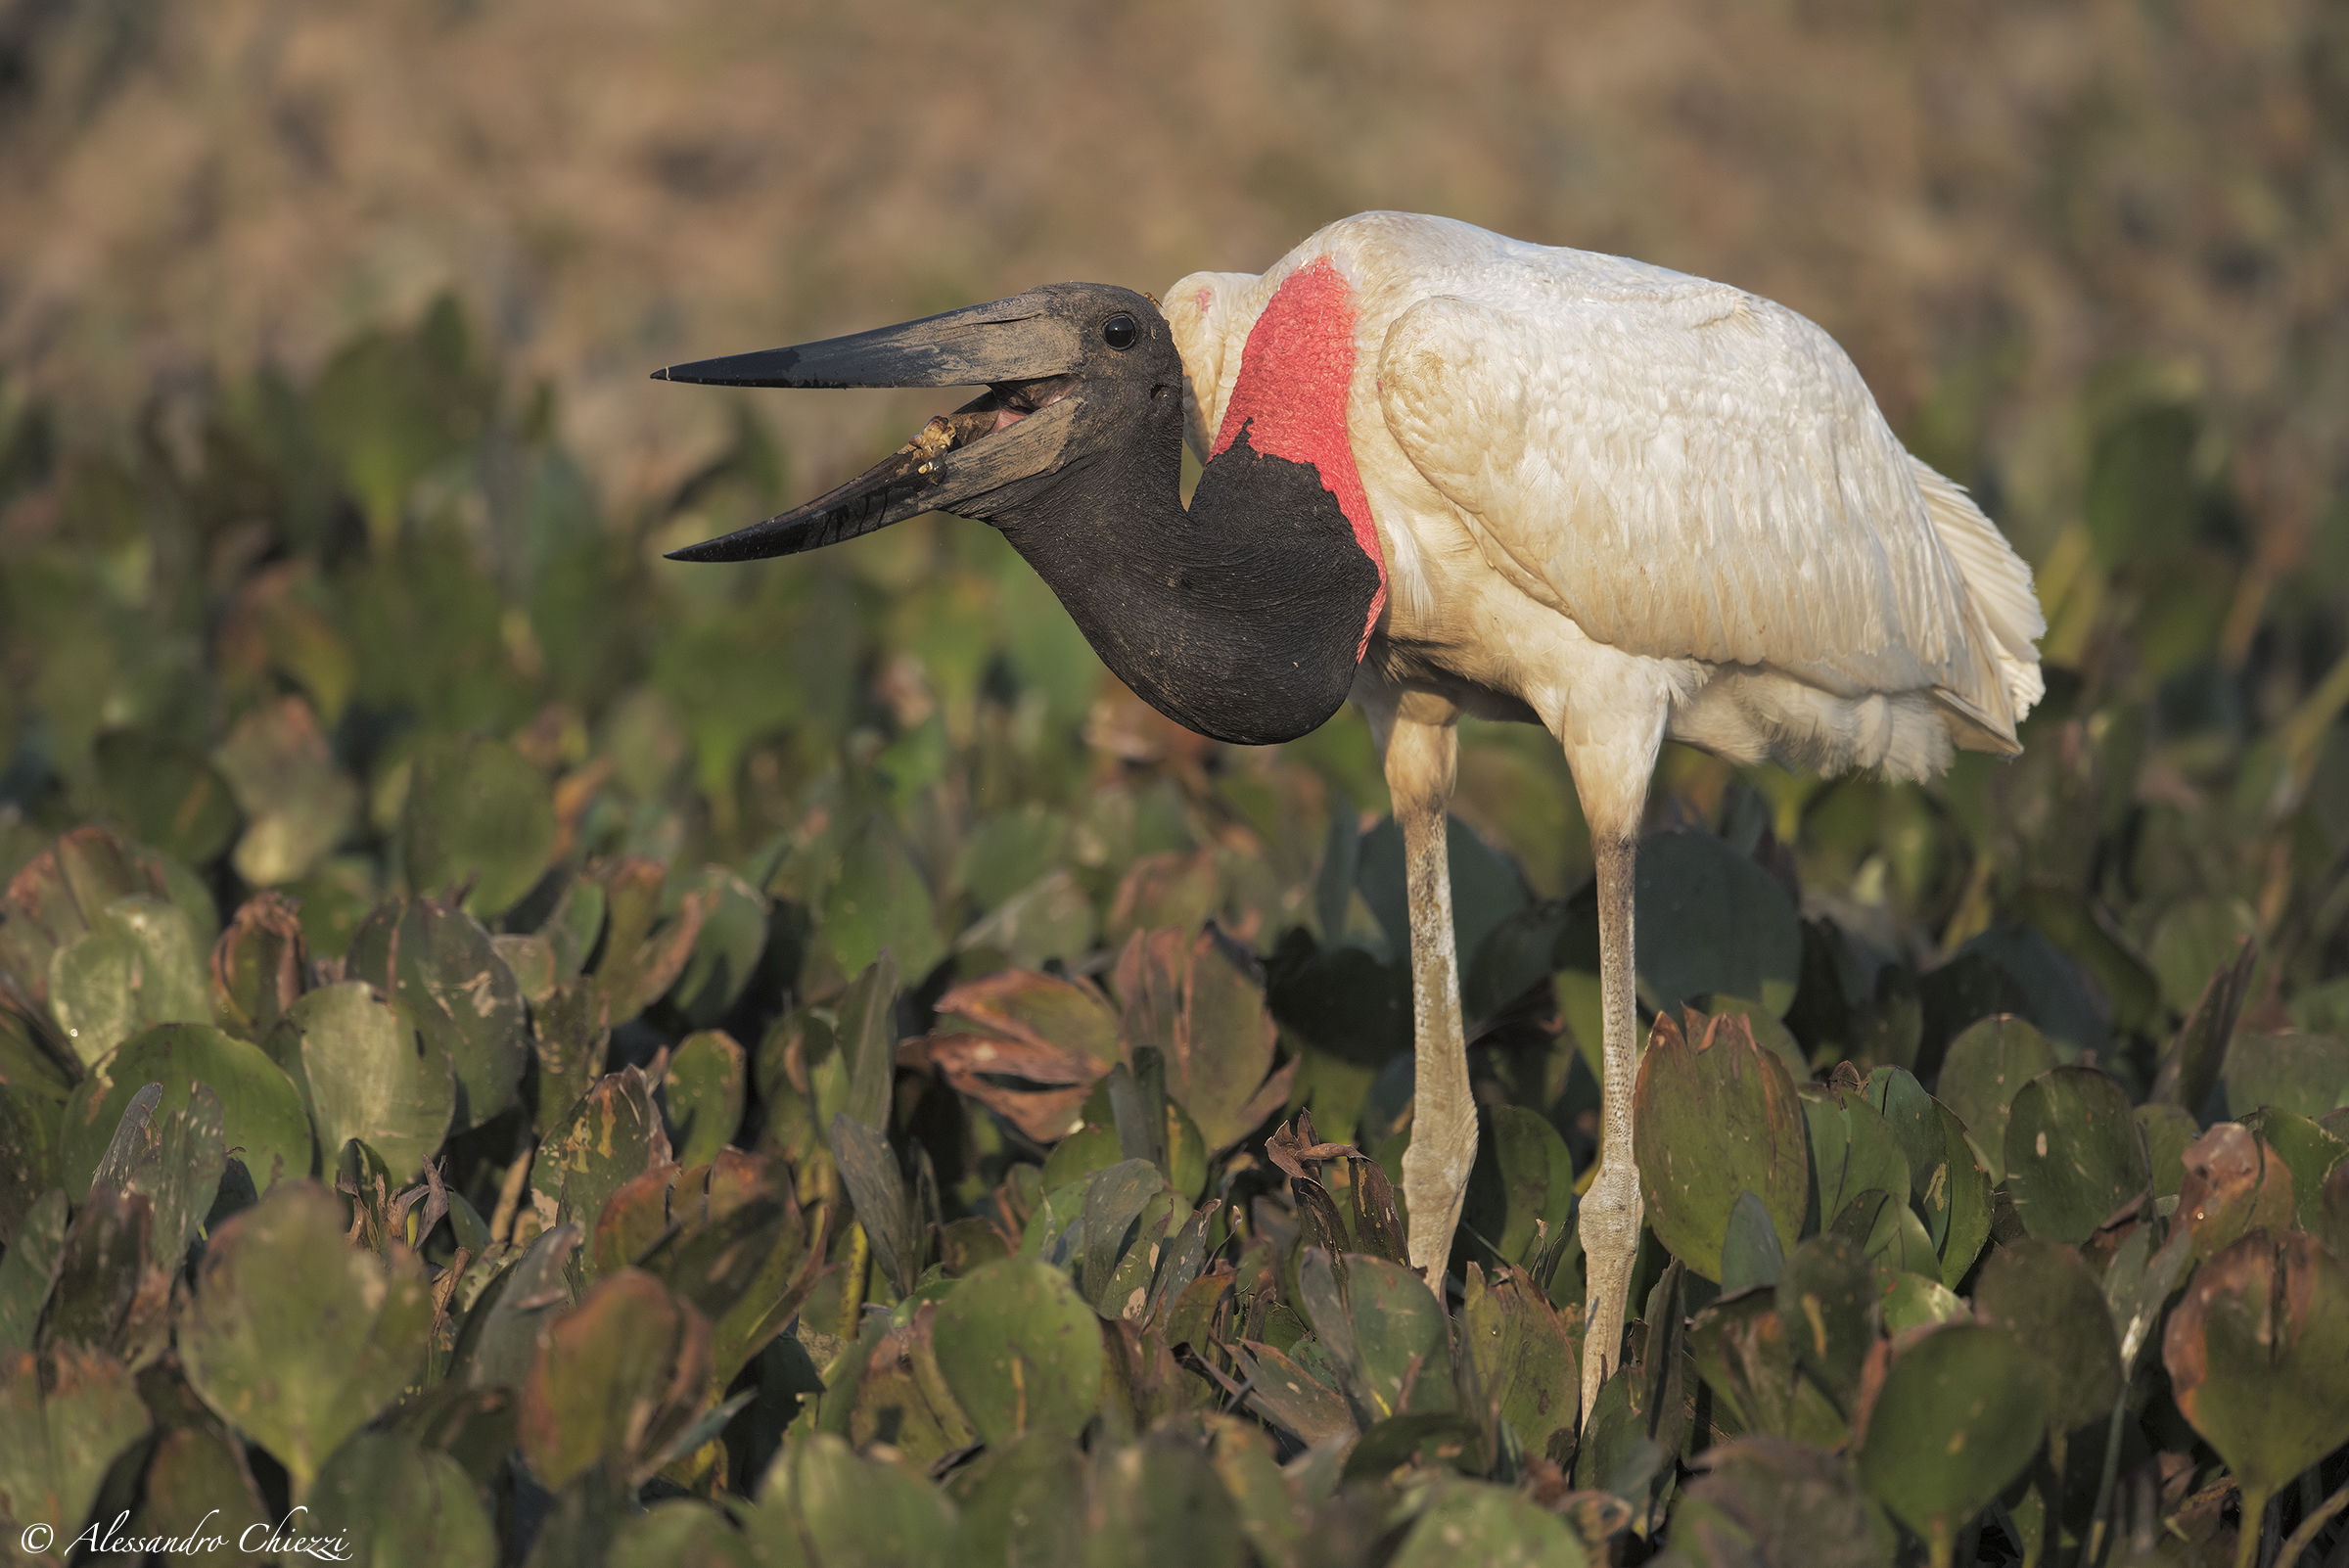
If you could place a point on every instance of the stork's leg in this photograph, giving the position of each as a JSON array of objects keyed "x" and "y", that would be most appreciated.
[
  {"x": 1421, "y": 748},
  {"x": 1611, "y": 770}
]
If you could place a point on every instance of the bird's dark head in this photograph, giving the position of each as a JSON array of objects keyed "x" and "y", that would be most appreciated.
[{"x": 1075, "y": 374}]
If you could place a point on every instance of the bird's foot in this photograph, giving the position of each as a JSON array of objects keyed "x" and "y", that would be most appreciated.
[{"x": 1610, "y": 1236}]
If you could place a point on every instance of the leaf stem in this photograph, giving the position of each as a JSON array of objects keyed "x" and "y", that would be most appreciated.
[{"x": 2304, "y": 1539}]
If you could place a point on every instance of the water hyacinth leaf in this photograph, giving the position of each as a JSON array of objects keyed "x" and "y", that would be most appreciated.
[
  {"x": 1750, "y": 1254},
  {"x": 367, "y": 1072},
  {"x": 392, "y": 1501},
  {"x": 1283, "y": 1392},
  {"x": 2195, "y": 940},
  {"x": 1766, "y": 1499},
  {"x": 1198, "y": 998},
  {"x": 1744, "y": 1351},
  {"x": 1016, "y": 1499},
  {"x": 880, "y": 901},
  {"x": 2168, "y": 1130},
  {"x": 612, "y": 1136},
  {"x": 107, "y": 1291},
  {"x": 680, "y": 1533},
  {"x": 1159, "y": 1503},
  {"x": 198, "y": 1475},
  {"x": 259, "y": 965},
  {"x": 1853, "y": 1151},
  {"x": 1114, "y": 1201},
  {"x": 2189, "y": 1068},
  {"x": 1958, "y": 1417},
  {"x": 296, "y": 1338},
  {"x": 1715, "y": 1118},
  {"x": 1397, "y": 1334},
  {"x": 717, "y": 1211},
  {"x": 53, "y": 897},
  {"x": 1966, "y": 1187},
  {"x": 1915, "y": 1122},
  {"x": 1711, "y": 921},
  {"x": 1020, "y": 1350},
  {"x": 1051, "y": 917},
  {"x": 726, "y": 950},
  {"x": 499, "y": 1338},
  {"x": 1614, "y": 1453},
  {"x": 705, "y": 1091},
  {"x": 438, "y": 963},
  {"x": 2042, "y": 1293},
  {"x": 865, "y": 1041},
  {"x": 2231, "y": 1182},
  {"x": 2074, "y": 1156},
  {"x": 1469, "y": 1521},
  {"x": 2258, "y": 1356},
  {"x": 64, "y": 1417},
  {"x": 1524, "y": 1361},
  {"x": 137, "y": 966},
  {"x": 1827, "y": 1301},
  {"x": 642, "y": 954},
  {"x": 182, "y": 1175},
  {"x": 261, "y": 1114},
  {"x": 1523, "y": 1180},
  {"x": 1985, "y": 1069},
  {"x": 615, "y": 1380},
  {"x": 477, "y": 818},
  {"x": 820, "y": 1503},
  {"x": 2312, "y": 1153},
  {"x": 574, "y": 925},
  {"x": 868, "y": 1168},
  {"x": 171, "y": 796},
  {"x": 2307, "y": 1074},
  {"x": 29, "y": 1159},
  {"x": 297, "y": 803},
  {"x": 997, "y": 1036},
  {"x": 571, "y": 1032}
]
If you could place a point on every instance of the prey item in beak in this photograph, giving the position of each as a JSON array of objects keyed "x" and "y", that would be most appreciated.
[
  {"x": 957, "y": 458},
  {"x": 1009, "y": 435}
]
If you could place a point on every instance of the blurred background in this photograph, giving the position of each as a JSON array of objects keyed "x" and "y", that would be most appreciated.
[{"x": 325, "y": 431}]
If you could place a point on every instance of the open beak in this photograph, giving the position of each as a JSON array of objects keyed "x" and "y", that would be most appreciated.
[{"x": 1018, "y": 430}]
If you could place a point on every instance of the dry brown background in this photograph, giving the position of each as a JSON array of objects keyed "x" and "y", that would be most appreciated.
[{"x": 1992, "y": 204}]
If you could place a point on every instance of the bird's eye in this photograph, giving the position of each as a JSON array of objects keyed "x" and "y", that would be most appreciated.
[{"x": 1120, "y": 331}]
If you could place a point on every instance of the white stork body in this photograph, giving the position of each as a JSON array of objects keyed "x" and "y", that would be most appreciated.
[{"x": 1626, "y": 505}]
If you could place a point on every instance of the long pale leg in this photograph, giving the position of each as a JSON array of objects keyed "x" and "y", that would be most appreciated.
[
  {"x": 1611, "y": 776},
  {"x": 1420, "y": 741}
]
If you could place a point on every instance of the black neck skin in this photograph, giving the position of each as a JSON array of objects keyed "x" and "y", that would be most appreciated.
[{"x": 1241, "y": 618}]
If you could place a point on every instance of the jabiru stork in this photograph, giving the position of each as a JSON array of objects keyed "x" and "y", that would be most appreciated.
[{"x": 1444, "y": 473}]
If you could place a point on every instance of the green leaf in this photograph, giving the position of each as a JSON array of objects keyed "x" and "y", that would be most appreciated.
[
  {"x": 296, "y": 1338},
  {"x": 1712, "y": 1119},
  {"x": 260, "y": 964},
  {"x": 30, "y": 1162},
  {"x": 1743, "y": 1349},
  {"x": 1709, "y": 920},
  {"x": 1020, "y": 1350},
  {"x": 261, "y": 1114},
  {"x": 391, "y": 1500},
  {"x": 1199, "y": 999},
  {"x": 168, "y": 796},
  {"x": 499, "y": 1339},
  {"x": 64, "y": 1417},
  {"x": 367, "y": 1072},
  {"x": 2189, "y": 1068},
  {"x": 880, "y": 901},
  {"x": 705, "y": 1093},
  {"x": 1522, "y": 1179},
  {"x": 1827, "y": 1298},
  {"x": 2043, "y": 1294},
  {"x": 726, "y": 950},
  {"x": 478, "y": 817},
  {"x": 439, "y": 966},
  {"x": 1985, "y": 1069},
  {"x": 1016, "y": 1498},
  {"x": 1958, "y": 1416},
  {"x": 2074, "y": 1155},
  {"x": 28, "y": 1268},
  {"x": 615, "y": 1380},
  {"x": 1524, "y": 1361},
  {"x": 821, "y": 1504},
  {"x": 54, "y": 898},
  {"x": 1853, "y": 1150},
  {"x": 681, "y": 1533},
  {"x": 1750, "y": 1254},
  {"x": 868, "y": 1168},
  {"x": 865, "y": 1036},
  {"x": 1766, "y": 1500},
  {"x": 1472, "y": 1522},
  {"x": 138, "y": 966},
  {"x": 2312, "y": 1153},
  {"x": 610, "y": 1136},
  {"x": 2258, "y": 1356},
  {"x": 2307, "y": 1074},
  {"x": 1051, "y": 917},
  {"x": 569, "y": 1034},
  {"x": 297, "y": 803}
]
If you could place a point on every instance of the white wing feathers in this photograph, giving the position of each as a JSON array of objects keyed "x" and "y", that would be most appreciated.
[{"x": 1693, "y": 472}]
